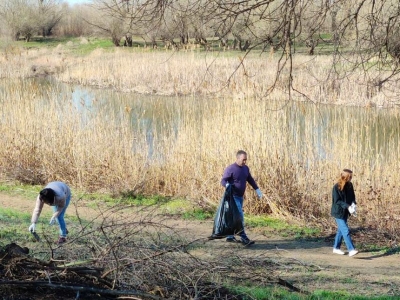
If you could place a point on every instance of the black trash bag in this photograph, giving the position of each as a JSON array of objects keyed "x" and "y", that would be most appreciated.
[{"x": 228, "y": 220}]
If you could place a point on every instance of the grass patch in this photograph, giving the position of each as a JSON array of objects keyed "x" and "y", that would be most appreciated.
[
  {"x": 43, "y": 42},
  {"x": 95, "y": 43},
  {"x": 12, "y": 216},
  {"x": 140, "y": 200},
  {"x": 198, "y": 214},
  {"x": 275, "y": 293},
  {"x": 78, "y": 47},
  {"x": 281, "y": 227},
  {"x": 381, "y": 250},
  {"x": 14, "y": 225},
  {"x": 26, "y": 191}
]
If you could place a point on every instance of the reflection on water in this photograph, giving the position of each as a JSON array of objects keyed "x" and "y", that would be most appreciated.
[{"x": 371, "y": 133}]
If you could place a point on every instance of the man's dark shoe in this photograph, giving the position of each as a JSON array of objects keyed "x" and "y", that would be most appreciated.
[
  {"x": 61, "y": 240},
  {"x": 231, "y": 239},
  {"x": 247, "y": 241}
]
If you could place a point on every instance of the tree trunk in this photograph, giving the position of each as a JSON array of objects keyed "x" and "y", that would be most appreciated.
[{"x": 116, "y": 41}]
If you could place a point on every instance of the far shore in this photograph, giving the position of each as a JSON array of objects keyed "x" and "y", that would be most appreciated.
[{"x": 192, "y": 72}]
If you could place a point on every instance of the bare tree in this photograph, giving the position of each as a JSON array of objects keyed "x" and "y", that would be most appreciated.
[
  {"x": 73, "y": 21},
  {"x": 51, "y": 13},
  {"x": 28, "y": 17},
  {"x": 364, "y": 33},
  {"x": 361, "y": 34}
]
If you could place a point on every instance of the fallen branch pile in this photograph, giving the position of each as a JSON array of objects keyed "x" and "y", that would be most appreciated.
[{"x": 25, "y": 277}]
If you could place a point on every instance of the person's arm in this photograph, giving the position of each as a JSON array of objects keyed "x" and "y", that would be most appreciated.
[
  {"x": 227, "y": 177},
  {"x": 252, "y": 182},
  {"x": 37, "y": 210},
  {"x": 254, "y": 185},
  {"x": 337, "y": 198}
]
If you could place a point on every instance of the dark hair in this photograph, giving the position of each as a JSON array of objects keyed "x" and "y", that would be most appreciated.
[
  {"x": 240, "y": 152},
  {"x": 47, "y": 196}
]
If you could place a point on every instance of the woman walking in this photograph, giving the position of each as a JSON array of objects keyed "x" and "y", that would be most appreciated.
[{"x": 343, "y": 204}]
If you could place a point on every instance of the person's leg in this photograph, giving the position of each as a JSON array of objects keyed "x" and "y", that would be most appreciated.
[
  {"x": 60, "y": 218},
  {"x": 338, "y": 238},
  {"x": 243, "y": 236},
  {"x": 239, "y": 204},
  {"x": 345, "y": 232}
]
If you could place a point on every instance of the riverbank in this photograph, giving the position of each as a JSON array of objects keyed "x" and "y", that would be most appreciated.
[{"x": 193, "y": 72}]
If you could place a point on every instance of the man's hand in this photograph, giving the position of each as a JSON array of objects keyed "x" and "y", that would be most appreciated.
[
  {"x": 32, "y": 227},
  {"x": 259, "y": 194},
  {"x": 351, "y": 209},
  {"x": 52, "y": 220}
]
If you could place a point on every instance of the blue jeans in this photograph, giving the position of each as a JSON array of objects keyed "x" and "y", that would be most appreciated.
[
  {"x": 239, "y": 204},
  {"x": 60, "y": 218},
  {"x": 343, "y": 232}
]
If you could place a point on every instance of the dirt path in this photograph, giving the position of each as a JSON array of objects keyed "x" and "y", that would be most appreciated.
[{"x": 307, "y": 264}]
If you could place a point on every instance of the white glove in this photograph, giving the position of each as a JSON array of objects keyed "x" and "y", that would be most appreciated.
[
  {"x": 52, "y": 220},
  {"x": 352, "y": 209},
  {"x": 259, "y": 194},
  {"x": 355, "y": 208},
  {"x": 227, "y": 184},
  {"x": 32, "y": 227}
]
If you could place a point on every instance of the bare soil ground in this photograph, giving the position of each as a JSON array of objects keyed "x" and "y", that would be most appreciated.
[{"x": 307, "y": 264}]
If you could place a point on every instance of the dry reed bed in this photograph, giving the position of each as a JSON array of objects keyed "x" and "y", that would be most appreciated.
[
  {"x": 214, "y": 73},
  {"x": 221, "y": 74},
  {"x": 44, "y": 138}
]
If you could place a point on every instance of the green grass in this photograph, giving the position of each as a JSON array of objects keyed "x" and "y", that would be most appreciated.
[
  {"x": 14, "y": 217},
  {"x": 197, "y": 214},
  {"x": 93, "y": 43},
  {"x": 14, "y": 225},
  {"x": 27, "y": 191},
  {"x": 76, "y": 47},
  {"x": 275, "y": 293},
  {"x": 381, "y": 250},
  {"x": 280, "y": 227},
  {"x": 38, "y": 42}
]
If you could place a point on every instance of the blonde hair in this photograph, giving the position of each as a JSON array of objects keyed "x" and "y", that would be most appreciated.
[{"x": 345, "y": 177}]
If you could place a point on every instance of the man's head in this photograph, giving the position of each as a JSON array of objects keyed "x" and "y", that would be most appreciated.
[
  {"x": 47, "y": 196},
  {"x": 241, "y": 158}
]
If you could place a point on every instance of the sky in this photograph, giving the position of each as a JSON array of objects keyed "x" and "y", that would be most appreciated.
[{"x": 72, "y": 2}]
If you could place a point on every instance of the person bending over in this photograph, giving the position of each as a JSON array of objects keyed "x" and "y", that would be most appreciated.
[{"x": 58, "y": 195}]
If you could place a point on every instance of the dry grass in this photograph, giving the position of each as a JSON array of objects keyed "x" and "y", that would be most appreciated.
[{"x": 44, "y": 138}]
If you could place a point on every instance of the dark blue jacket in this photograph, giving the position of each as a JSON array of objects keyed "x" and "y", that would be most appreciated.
[{"x": 341, "y": 200}]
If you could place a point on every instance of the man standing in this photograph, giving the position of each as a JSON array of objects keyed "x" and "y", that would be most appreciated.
[
  {"x": 238, "y": 174},
  {"x": 58, "y": 195}
]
